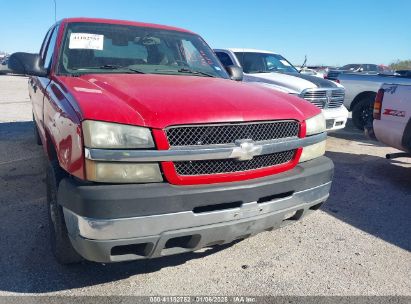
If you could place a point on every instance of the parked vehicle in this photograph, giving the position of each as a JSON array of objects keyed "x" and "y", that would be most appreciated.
[
  {"x": 360, "y": 92},
  {"x": 403, "y": 73},
  {"x": 3, "y": 65},
  {"x": 392, "y": 118},
  {"x": 153, "y": 150},
  {"x": 308, "y": 71},
  {"x": 320, "y": 70},
  {"x": 275, "y": 72},
  {"x": 357, "y": 68}
]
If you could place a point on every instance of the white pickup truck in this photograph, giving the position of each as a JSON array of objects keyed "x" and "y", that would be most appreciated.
[
  {"x": 360, "y": 92},
  {"x": 273, "y": 71},
  {"x": 392, "y": 118}
]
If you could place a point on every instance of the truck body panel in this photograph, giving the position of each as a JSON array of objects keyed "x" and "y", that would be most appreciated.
[
  {"x": 135, "y": 99},
  {"x": 394, "y": 127}
]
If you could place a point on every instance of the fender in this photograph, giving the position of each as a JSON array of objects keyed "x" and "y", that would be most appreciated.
[{"x": 63, "y": 128}]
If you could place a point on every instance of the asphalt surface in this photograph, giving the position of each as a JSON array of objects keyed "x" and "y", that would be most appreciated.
[{"x": 358, "y": 244}]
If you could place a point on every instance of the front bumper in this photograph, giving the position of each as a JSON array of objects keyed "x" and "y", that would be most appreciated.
[
  {"x": 335, "y": 119},
  {"x": 109, "y": 223}
]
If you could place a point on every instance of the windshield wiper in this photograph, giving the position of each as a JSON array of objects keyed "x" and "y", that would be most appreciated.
[
  {"x": 187, "y": 71},
  {"x": 111, "y": 67},
  {"x": 190, "y": 71}
]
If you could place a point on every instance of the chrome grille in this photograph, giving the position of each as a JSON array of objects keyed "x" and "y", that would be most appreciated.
[
  {"x": 337, "y": 99},
  {"x": 205, "y": 167},
  {"x": 317, "y": 98},
  {"x": 229, "y": 133},
  {"x": 320, "y": 98}
]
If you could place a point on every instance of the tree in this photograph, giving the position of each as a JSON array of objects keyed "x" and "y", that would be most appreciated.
[{"x": 401, "y": 65}]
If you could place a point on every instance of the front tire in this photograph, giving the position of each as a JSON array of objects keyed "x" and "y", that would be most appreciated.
[
  {"x": 362, "y": 113},
  {"x": 60, "y": 241}
]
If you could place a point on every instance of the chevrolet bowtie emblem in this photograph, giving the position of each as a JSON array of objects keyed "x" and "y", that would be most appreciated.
[{"x": 246, "y": 149}]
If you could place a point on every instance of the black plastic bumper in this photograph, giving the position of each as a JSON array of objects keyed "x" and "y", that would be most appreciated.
[
  {"x": 111, "y": 223},
  {"x": 105, "y": 201}
]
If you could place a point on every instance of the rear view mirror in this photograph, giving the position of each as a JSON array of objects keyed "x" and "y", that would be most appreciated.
[
  {"x": 235, "y": 72},
  {"x": 26, "y": 64}
]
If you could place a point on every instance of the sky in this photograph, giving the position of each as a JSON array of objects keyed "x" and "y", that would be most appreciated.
[{"x": 328, "y": 32}]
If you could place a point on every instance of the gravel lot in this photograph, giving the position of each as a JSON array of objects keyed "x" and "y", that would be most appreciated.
[{"x": 358, "y": 244}]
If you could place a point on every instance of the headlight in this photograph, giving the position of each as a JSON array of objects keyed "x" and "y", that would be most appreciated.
[
  {"x": 116, "y": 172},
  {"x": 315, "y": 125},
  {"x": 313, "y": 151},
  {"x": 106, "y": 135}
]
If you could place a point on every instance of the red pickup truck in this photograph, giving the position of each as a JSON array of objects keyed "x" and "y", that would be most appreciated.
[{"x": 154, "y": 148}]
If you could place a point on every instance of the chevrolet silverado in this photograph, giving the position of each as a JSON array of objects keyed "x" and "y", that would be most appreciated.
[{"x": 154, "y": 148}]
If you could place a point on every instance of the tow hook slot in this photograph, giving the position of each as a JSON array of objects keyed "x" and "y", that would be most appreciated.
[
  {"x": 186, "y": 242},
  {"x": 274, "y": 197},
  {"x": 217, "y": 207},
  {"x": 142, "y": 249}
]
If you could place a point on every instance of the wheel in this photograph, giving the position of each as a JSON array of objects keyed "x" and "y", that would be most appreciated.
[
  {"x": 36, "y": 133},
  {"x": 60, "y": 242},
  {"x": 362, "y": 112}
]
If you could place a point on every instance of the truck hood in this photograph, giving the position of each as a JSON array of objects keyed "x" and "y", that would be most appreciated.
[
  {"x": 158, "y": 101},
  {"x": 291, "y": 82}
]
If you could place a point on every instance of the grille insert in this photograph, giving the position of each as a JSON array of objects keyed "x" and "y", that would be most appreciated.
[
  {"x": 319, "y": 98},
  {"x": 229, "y": 133},
  {"x": 205, "y": 167}
]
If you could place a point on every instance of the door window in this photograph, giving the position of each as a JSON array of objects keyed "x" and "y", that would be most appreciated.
[
  {"x": 50, "y": 49},
  {"x": 224, "y": 58},
  {"x": 44, "y": 44}
]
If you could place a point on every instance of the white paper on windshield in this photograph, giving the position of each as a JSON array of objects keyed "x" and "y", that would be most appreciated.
[
  {"x": 86, "y": 41},
  {"x": 284, "y": 62}
]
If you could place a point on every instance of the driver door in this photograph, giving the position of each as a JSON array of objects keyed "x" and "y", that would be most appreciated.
[{"x": 38, "y": 85}]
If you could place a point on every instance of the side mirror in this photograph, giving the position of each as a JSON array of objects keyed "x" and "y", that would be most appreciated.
[
  {"x": 26, "y": 64},
  {"x": 235, "y": 72}
]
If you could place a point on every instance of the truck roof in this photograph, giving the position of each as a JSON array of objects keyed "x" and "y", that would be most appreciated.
[
  {"x": 244, "y": 50},
  {"x": 124, "y": 22}
]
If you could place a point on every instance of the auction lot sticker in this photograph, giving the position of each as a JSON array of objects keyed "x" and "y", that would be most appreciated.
[{"x": 86, "y": 41}]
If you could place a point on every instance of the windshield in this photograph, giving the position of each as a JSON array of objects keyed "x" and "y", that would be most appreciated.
[
  {"x": 264, "y": 63},
  {"x": 113, "y": 48},
  {"x": 350, "y": 67}
]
